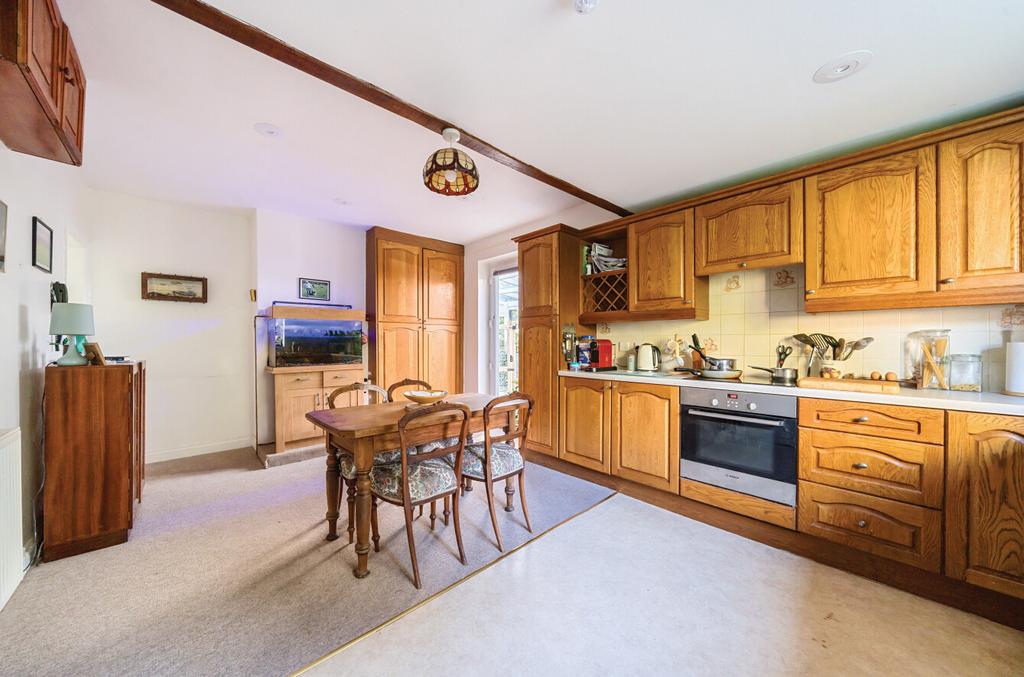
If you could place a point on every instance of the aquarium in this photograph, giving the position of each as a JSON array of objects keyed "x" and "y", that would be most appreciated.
[{"x": 309, "y": 342}]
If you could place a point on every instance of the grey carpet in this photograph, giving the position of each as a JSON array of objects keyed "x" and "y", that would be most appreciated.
[{"x": 227, "y": 572}]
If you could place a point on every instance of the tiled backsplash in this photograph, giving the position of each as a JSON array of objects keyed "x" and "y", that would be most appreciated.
[{"x": 752, "y": 311}]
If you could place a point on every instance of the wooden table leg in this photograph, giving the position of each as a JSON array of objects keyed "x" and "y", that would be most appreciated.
[
  {"x": 333, "y": 480},
  {"x": 363, "y": 457}
]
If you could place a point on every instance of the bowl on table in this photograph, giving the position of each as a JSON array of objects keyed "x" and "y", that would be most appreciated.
[{"x": 425, "y": 396}]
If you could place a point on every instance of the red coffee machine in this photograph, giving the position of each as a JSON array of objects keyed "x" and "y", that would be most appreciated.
[{"x": 601, "y": 355}]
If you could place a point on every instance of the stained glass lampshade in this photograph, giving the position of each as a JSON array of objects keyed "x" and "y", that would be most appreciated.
[{"x": 450, "y": 171}]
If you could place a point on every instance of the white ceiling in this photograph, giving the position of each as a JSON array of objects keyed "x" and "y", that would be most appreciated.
[
  {"x": 170, "y": 112},
  {"x": 637, "y": 102}
]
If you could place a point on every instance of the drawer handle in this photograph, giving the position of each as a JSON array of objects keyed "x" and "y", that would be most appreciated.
[
  {"x": 304, "y": 378},
  {"x": 743, "y": 264},
  {"x": 948, "y": 280},
  {"x": 862, "y": 523},
  {"x": 861, "y": 419},
  {"x": 860, "y": 466}
]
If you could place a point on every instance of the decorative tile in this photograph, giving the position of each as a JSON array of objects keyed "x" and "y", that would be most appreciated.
[
  {"x": 1012, "y": 316},
  {"x": 784, "y": 278},
  {"x": 733, "y": 283}
]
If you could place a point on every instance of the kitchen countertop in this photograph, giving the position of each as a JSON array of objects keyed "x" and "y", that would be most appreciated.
[{"x": 987, "y": 403}]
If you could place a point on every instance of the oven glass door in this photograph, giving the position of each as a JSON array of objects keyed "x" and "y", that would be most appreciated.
[{"x": 756, "y": 445}]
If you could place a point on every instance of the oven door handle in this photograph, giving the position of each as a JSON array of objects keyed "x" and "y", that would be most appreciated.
[{"x": 740, "y": 419}]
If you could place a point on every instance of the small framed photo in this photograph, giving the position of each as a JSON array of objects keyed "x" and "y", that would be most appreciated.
[
  {"x": 42, "y": 245},
  {"x": 163, "y": 287},
  {"x": 317, "y": 290},
  {"x": 94, "y": 354}
]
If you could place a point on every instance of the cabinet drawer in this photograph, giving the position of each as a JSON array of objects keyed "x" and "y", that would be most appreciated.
[
  {"x": 881, "y": 420},
  {"x": 335, "y": 379},
  {"x": 906, "y": 533},
  {"x": 905, "y": 471},
  {"x": 300, "y": 379}
]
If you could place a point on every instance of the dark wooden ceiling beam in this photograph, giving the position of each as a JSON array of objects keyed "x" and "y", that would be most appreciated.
[{"x": 267, "y": 44}]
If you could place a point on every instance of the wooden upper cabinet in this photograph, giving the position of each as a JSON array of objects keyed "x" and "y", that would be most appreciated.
[
  {"x": 538, "y": 275},
  {"x": 985, "y": 501},
  {"x": 759, "y": 229},
  {"x": 584, "y": 423},
  {"x": 870, "y": 229},
  {"x": 43, "y": 51},
  {"x": 442, "y": 287},
  {"x": 398, "y": 353},
  {"x": 539, "y": 346},
  {"x": 72, "y": 91},
  {"x": 398, "y": 281},
  {"x": 981, "y": 198},
  {"x": 442, "y": 357},
  {"x": 660, "y": 264},
  {"x": 645, "y": 434}
]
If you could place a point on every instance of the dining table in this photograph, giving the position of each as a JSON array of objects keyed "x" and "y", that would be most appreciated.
[{"x": 364, "y": 431}]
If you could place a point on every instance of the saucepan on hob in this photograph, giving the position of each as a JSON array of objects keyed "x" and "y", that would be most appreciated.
[
  {"x": 780, "y": 375},
  {"x": 714, "y": 364}
]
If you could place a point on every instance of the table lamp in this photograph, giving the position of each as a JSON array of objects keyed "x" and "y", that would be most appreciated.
[{"x": 73, "y": 320}]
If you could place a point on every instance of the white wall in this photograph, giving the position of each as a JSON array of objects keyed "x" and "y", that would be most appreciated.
[
  {"x": 31, "y": 187},
  {"x": 198, "y": 356},
  {"x": 481, "y": 258},
  {"x": 286, "y": 248}
]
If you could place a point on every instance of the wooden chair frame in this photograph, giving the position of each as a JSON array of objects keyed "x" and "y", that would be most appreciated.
[
  {"x": 405, "y": 382},
  {"x": 411, "y": 437},
  {"x": 506, "y": 406},
  {"x": 368, "y": 388}
]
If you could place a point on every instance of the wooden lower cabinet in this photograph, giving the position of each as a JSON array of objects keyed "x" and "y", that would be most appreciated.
[
  {"x": 442, "y": 357},
  {"x": 539, "y": 358},
  {"x": 645, "y": 434},
  {"x": 300, "y": 390},
  {"x": 906, "y": 533},
  {"x": 915, "y": 424},
  {"x": 292, "y": 407},
  {"x": 985, "y": 501},
  {"x": 584, "y": 428}
]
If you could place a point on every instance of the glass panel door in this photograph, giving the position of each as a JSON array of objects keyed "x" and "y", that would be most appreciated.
[{"x": 505, "y": 331}]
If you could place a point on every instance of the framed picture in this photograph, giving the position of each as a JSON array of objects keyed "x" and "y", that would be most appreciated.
[
  {"x": 163, "y": 287},
  {"x": 318, "y": 290},
  {"x": 42, "y": 245},
  {"x": 94, "y": 354},
  {"x": 3, "y": 236}
]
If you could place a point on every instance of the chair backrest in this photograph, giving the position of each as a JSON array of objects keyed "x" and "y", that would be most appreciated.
[
  {"x": 368, "y": 388},
  {"x": 421, "y": 425},
  {"x": 515, "y": 410},
  {"x": 404, "y": 383}
]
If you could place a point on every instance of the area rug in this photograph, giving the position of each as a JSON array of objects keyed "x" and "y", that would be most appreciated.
[{"x": 227, "y": 572}]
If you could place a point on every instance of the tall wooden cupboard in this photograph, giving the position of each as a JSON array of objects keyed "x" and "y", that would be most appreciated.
[{"x": 414, "y": 291}]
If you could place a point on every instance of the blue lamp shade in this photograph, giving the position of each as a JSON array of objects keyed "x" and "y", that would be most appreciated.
[{"x": 71, "y": 319}]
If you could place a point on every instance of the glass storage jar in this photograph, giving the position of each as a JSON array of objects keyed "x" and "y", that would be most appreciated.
[
  {"x": 931, "y": 358},
  {"x": 965, "y": 373}
]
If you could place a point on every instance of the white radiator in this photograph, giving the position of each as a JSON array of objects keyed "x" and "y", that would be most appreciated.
[{"x": 11, "y": 546}]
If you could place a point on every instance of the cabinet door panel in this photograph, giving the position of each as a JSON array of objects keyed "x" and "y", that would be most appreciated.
[
  {"x": 297, "y": 403},
  {"x": 72, "y": 98},
  {"x": 44, "y": 53},
  {"x": 661, "y": 263},
  {"x": 870, "y": 228},
  {"x": 645, "y": 434},
  {"x": 980, "y": 202},
  {"x": 398, "y": 282},
  {"x": 538, "y": 277},
  {"x": 442, "y": 287},
  {"x": 985, "y": 501},
  {"x": 538, "y": 376},
  {"x": 442, "y": 357},
  {"x": 398, "y": 353},
  {"x": 759, "y": 229},
  {"x": 584, "y": 421}
]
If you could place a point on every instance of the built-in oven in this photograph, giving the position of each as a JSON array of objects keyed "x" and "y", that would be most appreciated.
[{"x": 742, "y": 441}]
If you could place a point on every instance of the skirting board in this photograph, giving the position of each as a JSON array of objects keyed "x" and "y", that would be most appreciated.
[{"x": 156, "y": 456}]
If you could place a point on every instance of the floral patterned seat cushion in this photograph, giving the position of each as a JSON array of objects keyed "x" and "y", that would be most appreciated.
[
  {"x": 348, "y": 468},
  {"x": 505, "y": 460},
  {"x": 426, "y": 480}
]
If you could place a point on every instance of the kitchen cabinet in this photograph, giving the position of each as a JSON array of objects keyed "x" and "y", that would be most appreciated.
[
  {"x": 539, "y": 361},
  {"x": 42, "y": 83},
  {"x": 870, "y": 231},
  {"x": 398, "y": 282},
  {"x": 915, "y": 424},
  {"x": 299, "y": 390},
  {"x": 981, "y": 201},
  {"x": 759, "y": 229},
  {"x": 985, "y": 501},
  {"x": 660, "y": 268},
  {"x": 584, "y": 425},
  {"x": 291, "y": 416},
  {"x": 645, "y": 434},
  {"x": 538, "y": 276},
  {"x": 399, "y": 353},
  {"x": 441, "y": 357},
  {"x": 442, "y": 284}
]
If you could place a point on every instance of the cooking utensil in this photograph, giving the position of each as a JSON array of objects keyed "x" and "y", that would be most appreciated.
[
  {"x": 839, "y": 349},
  {"x": 783, "y": 352},
  {"x": 716, "y": 374},
  {"x": 859, "y": 344},
  {"x": 779, "y": 375}
]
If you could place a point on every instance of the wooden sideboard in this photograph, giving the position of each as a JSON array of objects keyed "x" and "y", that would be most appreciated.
[
  {"x": 300, "y": 390},
  {"x": 95, "y": 448}
]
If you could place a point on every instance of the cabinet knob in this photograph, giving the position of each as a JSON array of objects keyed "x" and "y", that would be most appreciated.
[
  {"x": 809, "y": 292},
  {"x": 860, "y": 466},
  {"x": 743, "y": 264},
  {"x": 948, "y": 280},
  {"x": 861, "y": 419},
  {"x": 862, "y": 523}
]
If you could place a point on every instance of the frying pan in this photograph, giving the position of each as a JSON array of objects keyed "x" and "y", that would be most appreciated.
[{"x": 716, "y": 374}]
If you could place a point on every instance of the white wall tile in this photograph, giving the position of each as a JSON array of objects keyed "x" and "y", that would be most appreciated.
[
  {"x": 757, "y": 344},
  {"x": 783, "y": 323},
  {"x": 732, "y": 304},
  {"x": 915, "y": 319},
  {"x": 733, "y": 345},
  {"x": 846, "y": 325},
  {"x": 756, "y": 280},
  {"x": 783, "y": 300},
  {"x": 733, "y": 324},
  {"x": 756, "y": 323},
  {"x": 970, "y": 319},
  {"x": 756, "y": 302}
]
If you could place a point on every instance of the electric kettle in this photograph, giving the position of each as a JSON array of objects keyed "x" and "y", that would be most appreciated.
[{"x": 648, "y": 357}]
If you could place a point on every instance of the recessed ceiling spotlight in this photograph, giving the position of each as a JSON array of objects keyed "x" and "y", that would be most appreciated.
[
  {"x": 584, "y": 6},
  {"x": 267, "y": 129},
  {"x": 341, "y": 202},
  {"x": 843, "y": 66}
]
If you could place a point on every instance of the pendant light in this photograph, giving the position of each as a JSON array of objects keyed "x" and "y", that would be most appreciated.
[{"x": 450, "y": 171}]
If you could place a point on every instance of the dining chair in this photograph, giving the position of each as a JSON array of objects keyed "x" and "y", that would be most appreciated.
[
  {"x": 498, "y": 458},
  {"x": 404, "y": 383},
  {"x": 346, "y": 464},
  {"x": 423, "y": 477}
]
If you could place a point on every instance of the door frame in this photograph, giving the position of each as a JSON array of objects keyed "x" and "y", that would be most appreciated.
[{"x": 501, "y": 267}]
